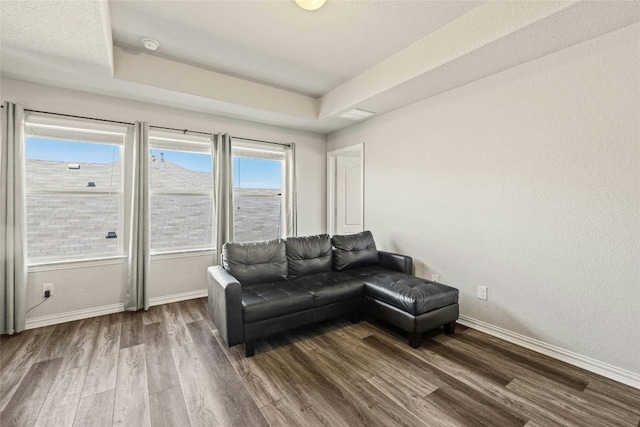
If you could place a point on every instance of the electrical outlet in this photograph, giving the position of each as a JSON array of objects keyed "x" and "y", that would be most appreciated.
[
  {"x": 434, "y": 277},
  {"x": 47, "y": 287},
  {"x": 482, "y": 292}
]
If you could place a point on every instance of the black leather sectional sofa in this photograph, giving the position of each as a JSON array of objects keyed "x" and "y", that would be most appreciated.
[{"x": 265, "y": 288}]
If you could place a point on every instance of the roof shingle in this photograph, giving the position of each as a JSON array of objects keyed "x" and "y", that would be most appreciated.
[{"x": 76, "y": 225}]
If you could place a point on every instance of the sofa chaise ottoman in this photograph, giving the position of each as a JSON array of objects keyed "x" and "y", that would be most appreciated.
[{"x": 265, "y": 288}]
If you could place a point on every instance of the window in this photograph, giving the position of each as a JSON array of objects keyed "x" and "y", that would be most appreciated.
[
  {"x": 259, "y": 208},
  {"x": 181, "y": 187},
  {"x": 73, "y": 173}
]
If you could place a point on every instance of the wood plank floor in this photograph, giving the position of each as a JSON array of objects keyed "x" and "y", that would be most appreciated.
[{"x": 167, "y": 367}]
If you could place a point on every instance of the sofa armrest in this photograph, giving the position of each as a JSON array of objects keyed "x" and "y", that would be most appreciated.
[
  {"x": 225, "y": 305},
  {"x": 396, "y": 262}
]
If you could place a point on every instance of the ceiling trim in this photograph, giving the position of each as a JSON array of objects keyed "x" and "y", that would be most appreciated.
[
  {"x": 405, "y": 77},
  {"x": 107, "y": 33},
  {"x": 478, "y": 28},
  {"x": 490, "y": 38},
  {"x": 175, "y": 76}
]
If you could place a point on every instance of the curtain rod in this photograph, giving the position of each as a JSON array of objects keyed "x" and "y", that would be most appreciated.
[
  {"x": 259, "y": 140},
  {"x": 181, "y": 130},
  {"x": 151, "y": 126},
  {"x": 210, "y": 134},
  {"x": 77, "y": 117}
]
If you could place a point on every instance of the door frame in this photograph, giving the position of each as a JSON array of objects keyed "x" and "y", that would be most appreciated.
[{"x": 331, "y": 184}]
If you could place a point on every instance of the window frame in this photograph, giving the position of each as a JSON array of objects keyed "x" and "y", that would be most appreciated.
[
  {"x": 90, "y": 132},
  {"x": 264, "y": 151},
  {"x": 189, "y": 143}
]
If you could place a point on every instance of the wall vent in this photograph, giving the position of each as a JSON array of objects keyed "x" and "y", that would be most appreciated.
[{"x": 357, "y": 114}]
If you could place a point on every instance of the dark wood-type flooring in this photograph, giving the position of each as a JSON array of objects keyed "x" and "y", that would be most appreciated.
[{"x": 167, "y": 367}]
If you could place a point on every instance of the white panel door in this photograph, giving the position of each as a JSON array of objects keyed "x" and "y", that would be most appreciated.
[{"x": 348, "y": 195}]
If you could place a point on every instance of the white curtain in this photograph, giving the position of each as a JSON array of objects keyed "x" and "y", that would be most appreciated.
[
  {"x": 139, "y": 261},
  {"x": 290, "y": 191},
  {"x": 13, "y": 221},
  {"x": 222, "y": 159}
]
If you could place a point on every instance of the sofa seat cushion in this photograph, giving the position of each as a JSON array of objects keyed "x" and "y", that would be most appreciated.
[
  {"x": 273, "y": 299},
  {"x": 409, "y": 293},
  {"x": 330, "y": 287}
]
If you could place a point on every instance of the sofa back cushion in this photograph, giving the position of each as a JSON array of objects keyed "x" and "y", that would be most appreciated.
[
  {"x": 354, "y": 250},
  {"x": 255, "y": 262},
  {"x": 308, "y": 255}
]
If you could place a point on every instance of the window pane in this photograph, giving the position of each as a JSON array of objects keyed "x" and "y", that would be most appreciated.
[
  {"x": 181, "y": 222},
  {"x": 257, "y": 173},
  {"x": 257, "y": 201},
  {"x": 257, "y": 215},
  {"x": 53, "y": 164},
  {"x": 180, "y": 171},
  {"x": 67, "y": 227}
]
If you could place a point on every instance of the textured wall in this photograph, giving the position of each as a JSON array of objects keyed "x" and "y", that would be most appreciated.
[{"x": 527, "y": 182}]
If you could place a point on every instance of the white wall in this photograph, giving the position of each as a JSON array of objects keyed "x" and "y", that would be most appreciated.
[
  {"x": 527, "y": 182},
  {"x": 96, "y": 286}
]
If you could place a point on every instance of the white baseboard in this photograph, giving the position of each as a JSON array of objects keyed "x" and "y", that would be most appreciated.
[
  {"x": 178, "y": 297},
  {"x": 70, "y": 316},
  {"x": 617, "y": 374},
  {"x": 54, "y": 319}
]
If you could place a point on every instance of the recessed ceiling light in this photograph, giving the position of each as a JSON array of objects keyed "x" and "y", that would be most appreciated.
[
  {"x": 310, "y": 4},
  {"x": 357, "y": 114},
  {"x": 150, "y": 44}
]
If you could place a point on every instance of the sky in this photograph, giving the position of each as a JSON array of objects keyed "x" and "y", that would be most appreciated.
[
  {"x": 247, "y": 173},
  {"x": 257, "y": 173},
  {"x": 70, "y": 151}
]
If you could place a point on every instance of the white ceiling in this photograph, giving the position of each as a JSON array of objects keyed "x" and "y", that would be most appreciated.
[
  {"x": 278, "y": 43},
  {"x": 273, "y": 62}
]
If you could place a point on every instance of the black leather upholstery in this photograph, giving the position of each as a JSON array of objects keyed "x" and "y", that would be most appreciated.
[
  {"x": 268, "y": 327},
  {"x": 409, "y": 293},
  {"x": 329, "y": 287},
  {"x": 390, "y": 314},
  {"x": 396, "y": 262},
  {"x": 354, "y": 250},
  {"x": 272, "y": 299},
  {"x": 408, "y": 322},
  {"x": 256, "y": 262},
  {"x": 270, "y": 287},
  {"x": 225, "y": 304},
  {"x": 308, "y": 255},
  {"x": 437, "y": 317}
]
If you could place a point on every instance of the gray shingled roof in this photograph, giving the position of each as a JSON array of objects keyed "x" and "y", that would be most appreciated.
[{"x": 64, "y": 226}]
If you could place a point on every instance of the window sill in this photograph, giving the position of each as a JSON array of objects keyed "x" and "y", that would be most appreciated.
[
  {"x": 185, "y": 253},
  {"x": 118, "y": 259},
  {"x": 71, "y": 264}
]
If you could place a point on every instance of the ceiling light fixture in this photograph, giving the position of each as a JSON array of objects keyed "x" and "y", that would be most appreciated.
[
  {"x": 310, "y": 4},
  {"x": 150, "y": 44}
]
